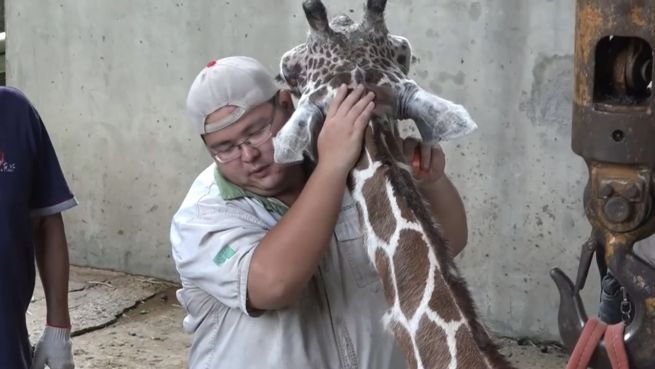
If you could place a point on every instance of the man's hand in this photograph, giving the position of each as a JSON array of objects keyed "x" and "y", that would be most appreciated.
[
  {"x": 342, "y": 136},
  {"x": 428, "y": 163},
  {"x": 54, "y": 349},
  {"x": 287, "y": 257}
]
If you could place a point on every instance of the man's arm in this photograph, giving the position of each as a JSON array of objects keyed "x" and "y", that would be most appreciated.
[
  {"x": 428, "y": 165},
  {"x": 448, "y": 208},
  {"x": 51, "y": 253},
  {"x": 289, "y": 254}
]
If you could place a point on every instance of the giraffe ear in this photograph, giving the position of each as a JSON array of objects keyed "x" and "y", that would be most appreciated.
[
  {"x": 299, "y": 134},
  {"x": 437, "y": 119},
  {"x": 316, "y": 15}
]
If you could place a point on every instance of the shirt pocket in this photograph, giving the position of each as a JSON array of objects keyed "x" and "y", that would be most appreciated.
[{"x": 350, "y": 242}]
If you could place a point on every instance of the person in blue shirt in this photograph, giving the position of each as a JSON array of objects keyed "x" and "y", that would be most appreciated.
[{"x": 33, "y": 193}]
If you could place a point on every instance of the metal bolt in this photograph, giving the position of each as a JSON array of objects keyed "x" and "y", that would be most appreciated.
[
  {"x": 617, "y": 209},
  {"x": 618, "y": 135},
  {"x": 606, "y": 190},
  {"x": 632, "y": 191}
]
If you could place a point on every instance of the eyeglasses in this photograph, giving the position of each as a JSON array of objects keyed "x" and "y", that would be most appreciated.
[{"x": 254, "y": 139}]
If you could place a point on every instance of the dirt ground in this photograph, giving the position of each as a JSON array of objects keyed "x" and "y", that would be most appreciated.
[
  {"x": 124, "y": 321},
  {"x": 148, "y": 336}
]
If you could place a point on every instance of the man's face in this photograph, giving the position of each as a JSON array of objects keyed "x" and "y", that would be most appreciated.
[{"x": 253, "y": 168}]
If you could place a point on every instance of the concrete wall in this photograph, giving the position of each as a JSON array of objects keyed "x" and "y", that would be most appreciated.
[{"x": 110, "y": 79}]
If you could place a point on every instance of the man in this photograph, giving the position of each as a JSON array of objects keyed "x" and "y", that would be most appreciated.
[
  {"x": 33, "y": 193},
  {"x": 272, "y": 262}
]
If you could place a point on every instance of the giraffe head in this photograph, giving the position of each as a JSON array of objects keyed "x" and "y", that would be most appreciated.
[{"x": 342, "y": 51}]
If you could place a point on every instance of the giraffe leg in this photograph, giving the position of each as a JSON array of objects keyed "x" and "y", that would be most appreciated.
[
  {"x": 437, "y": 119},
  {"x": 298, "y": 135}
]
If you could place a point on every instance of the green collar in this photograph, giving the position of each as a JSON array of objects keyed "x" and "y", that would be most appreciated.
[{"x": 230, "y": 191}]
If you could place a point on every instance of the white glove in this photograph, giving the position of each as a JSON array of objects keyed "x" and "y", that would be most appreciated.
[{"x": 54, "y": 348}]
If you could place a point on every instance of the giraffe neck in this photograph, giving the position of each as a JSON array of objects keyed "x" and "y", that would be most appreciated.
[{"x": 430, "y": 311}]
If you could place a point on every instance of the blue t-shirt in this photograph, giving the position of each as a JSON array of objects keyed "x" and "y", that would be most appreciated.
[{"x": 31, "y": 184}]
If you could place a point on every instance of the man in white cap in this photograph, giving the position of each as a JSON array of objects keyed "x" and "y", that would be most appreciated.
[{"x": 271, "y": 258}]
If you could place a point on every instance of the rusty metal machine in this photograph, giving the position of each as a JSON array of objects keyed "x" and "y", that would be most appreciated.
[{"x": 614, "y": 131}]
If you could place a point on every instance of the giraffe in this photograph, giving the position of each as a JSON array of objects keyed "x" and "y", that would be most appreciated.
[{"x": 431, "y": 313}]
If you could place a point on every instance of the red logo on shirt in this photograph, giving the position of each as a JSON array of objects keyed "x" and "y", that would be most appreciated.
[{"x": 2, "y": 158}]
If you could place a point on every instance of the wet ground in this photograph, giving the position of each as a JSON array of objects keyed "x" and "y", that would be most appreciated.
[{"x": 125, "y": 321}]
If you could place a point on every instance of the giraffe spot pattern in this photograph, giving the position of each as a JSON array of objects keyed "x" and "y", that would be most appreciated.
[
  {"x": 339, "y": 79},
  {"x": 393, "y": 145},
  {"x": 373, "y": 77},
  {"x": 405, "y": 211},
  {"x": 383, "y": 268},
  {"x": 441, "y": 301},
  {"x": 359, "y": 76},
  {"x": 411, "y": 266},
  {"x": 468, "y": 353},
  {"x": 405, "y": 343},
  {"x": 431, "y": 341},
  {"x": 379, "y": 206}
]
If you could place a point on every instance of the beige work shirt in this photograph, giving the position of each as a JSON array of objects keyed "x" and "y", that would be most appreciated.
[{"x": 337, "y": 321}]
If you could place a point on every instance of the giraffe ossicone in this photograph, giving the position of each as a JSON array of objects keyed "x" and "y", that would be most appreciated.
[
  {"x": 431, "y": 313},
  {"x": 345, "y": 52}
]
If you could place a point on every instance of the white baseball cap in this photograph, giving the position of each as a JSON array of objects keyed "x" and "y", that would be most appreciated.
[{"x": 238, "y": 81}]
